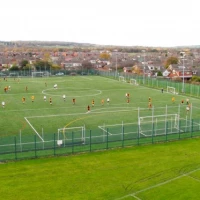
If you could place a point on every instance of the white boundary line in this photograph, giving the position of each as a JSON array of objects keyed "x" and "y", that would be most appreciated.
[
  {"x": 159, "y": 184},
  {"x": 34, "y": 129},
  {"x": 100, "y": 127},
  {"x": 41, "y": 116}
]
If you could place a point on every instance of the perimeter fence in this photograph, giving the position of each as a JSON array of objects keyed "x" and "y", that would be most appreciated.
[
  {"x": 181, "y": 87},
  {"x": 104, "y": 137}
]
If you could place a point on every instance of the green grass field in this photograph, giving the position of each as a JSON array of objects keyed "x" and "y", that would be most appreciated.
[
  {"x": 167, "y": 170},
  {"x": 25, "y": 120},
  {"x": 39, "y": 115}
]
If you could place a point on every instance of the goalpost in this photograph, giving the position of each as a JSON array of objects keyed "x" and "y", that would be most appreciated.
[
  {"x": 37, "y": 74},
  {"x": 133, "y": 82},
  {"x": 122, "y": 79},
  {"x": 171, "y": 90},
  {"x": 159, "y": 123},
  {"x": 72, "y": 135}
]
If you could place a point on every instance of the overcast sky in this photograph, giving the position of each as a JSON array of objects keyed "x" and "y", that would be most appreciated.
[{"x": 106, "y": 22}]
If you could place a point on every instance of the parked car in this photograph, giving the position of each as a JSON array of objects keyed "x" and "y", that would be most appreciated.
[
  {"x": 73, "y": 74},
  {"x": 60, "y": 74},
  {"x": 2, "y": 74}
]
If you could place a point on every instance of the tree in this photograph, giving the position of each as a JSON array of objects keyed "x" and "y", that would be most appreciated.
[
  {"x": 171, "y": 60},
  {"x": 159, "y": 73},
  {"x": 136, "y": 69},
  {"x": 42, "y": 65},
  {"x": 14, "y": 68},
  {"x": 104, "y": 56},
  {"x": 28, "y": 67},
  {"x": 86, "y": 65},
  {"x": 23, "y": 63},
  {"x": 55, "y": 67}
]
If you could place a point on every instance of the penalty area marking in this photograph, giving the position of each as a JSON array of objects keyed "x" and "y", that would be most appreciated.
[{"x": 34, "y": 129}]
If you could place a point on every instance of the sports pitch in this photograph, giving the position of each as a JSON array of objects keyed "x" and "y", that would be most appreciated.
[
  {"x": 170, "y": 168},
  {"x": 40, "y": 117}
]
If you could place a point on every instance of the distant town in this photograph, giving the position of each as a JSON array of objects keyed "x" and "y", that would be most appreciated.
[{"x": 63, "y": 58}]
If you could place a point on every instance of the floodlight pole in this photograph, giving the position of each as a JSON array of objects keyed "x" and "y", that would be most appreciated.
[
  {"x": 143, "y": 66},
  {"x": 116, "y": 65},
  {"x": 183, "y": 87},
  {"x": 183, "y": 84}
]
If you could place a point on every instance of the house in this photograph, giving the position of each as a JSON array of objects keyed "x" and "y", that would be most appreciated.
[
  {"x": 72, "y": 65},
  {"x": 183, "y": 73},
  {"x": 166, "y": 73},
  {"x": 128, "y": 69}
]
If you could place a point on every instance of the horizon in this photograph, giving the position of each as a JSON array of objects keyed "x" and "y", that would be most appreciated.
[{"x": 53, "y": 41}]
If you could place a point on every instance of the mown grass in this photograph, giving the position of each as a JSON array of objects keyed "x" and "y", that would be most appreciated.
[
  {"x": 113, "y": 174},
  {"x": 160, "y": 171}
]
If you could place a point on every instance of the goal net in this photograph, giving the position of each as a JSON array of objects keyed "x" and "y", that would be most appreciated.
[
  {"x": 37, "y": 74},
  {"x": 171, "y": 90},
  {"x": 113, "y": 132},
  {"x": 158, "y": 124},
  {"x": 73, "y": 135},
  {"x": 133, "y": 82},
  {"x": 122, "y": 79}
]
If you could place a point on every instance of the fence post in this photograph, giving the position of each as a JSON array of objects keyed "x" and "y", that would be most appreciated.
[
  {"x": 54, "y": 144},
  {"x": 20, "y": 139},
  {"x": 191, "y": 127},
  {"x": 35, "y": 146},
  {"x": 90, "y": 141},
  {"x": 166, "y": 130},
  {"x": 15, "y": 148},
  {"x": 152, "y": 133},
  {"x": 122, "y": 136},
  {"x": 107, "y": 140},
  {"x": 179, "y": 130},
  {"x": 72, "y": 142},
  {"x": 138, "y": 136}
]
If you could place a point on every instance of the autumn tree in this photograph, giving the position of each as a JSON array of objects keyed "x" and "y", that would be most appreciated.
[
  {"x": 171, "y": 60},
  {"x": 55, "y": 67},
  {"x": 104, "y": 56},
  {"x": 136, "y": 69},
  {"x": 42, "y": 65}
]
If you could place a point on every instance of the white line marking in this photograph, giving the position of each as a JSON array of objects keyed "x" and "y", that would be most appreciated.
[
  {"x": 159, "y": 184},
  {"x": 33, "y": 129},
  {"x": 71, "y": 114},
  {"x": 98, "y": 92}
]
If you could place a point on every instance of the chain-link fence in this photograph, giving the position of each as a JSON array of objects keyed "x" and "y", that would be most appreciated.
[
  {"x": 181, "y": 87},
  {"x": 105, "y": 137}
]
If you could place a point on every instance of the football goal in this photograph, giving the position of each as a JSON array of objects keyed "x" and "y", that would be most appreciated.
[
  {"x": 37, "y": 74},
  {"x": 162, "y": 120},
  {"x": 122, "y": 79},
  {"x": 171, "y": 90},
  {"x": 118, "y": 131},
  {"x": 72, "y": 135},
  {"x": 133, "y": 82},
  {"x": 158, "y": 124}
]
